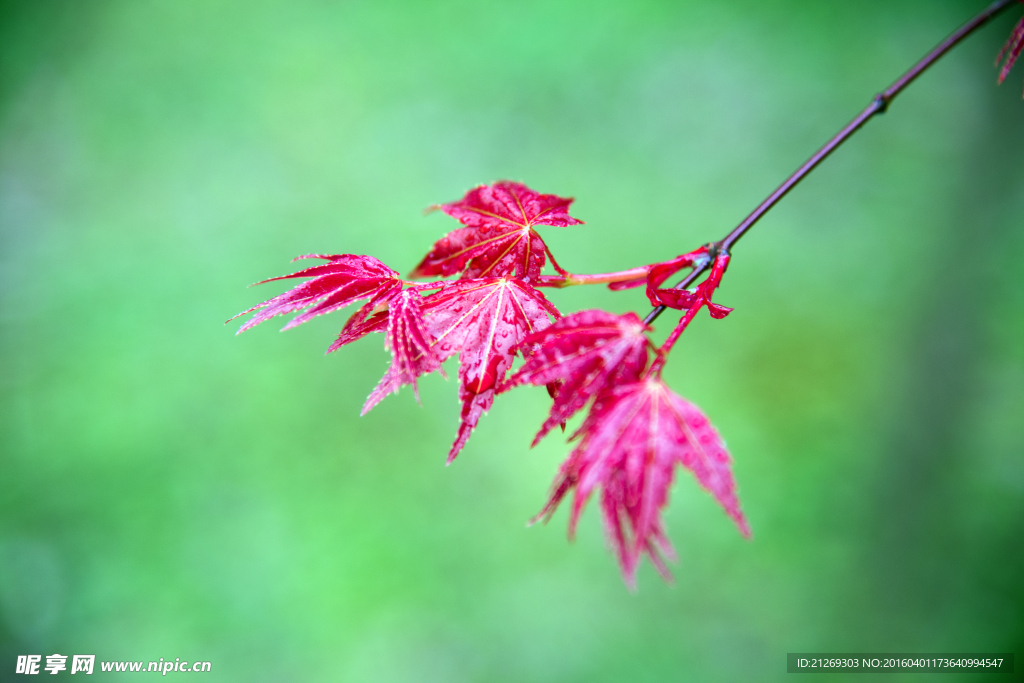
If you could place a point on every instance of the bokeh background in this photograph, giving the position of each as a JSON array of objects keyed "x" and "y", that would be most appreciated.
[{"x": 171, "y": 490}]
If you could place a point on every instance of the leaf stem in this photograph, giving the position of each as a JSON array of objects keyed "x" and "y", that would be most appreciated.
[
  {"x": 572, "y": 279},
  {"x": 661, "y": 354},
  {"x": 878, "y": 106}
]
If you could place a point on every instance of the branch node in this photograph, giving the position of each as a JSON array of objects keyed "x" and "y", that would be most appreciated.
[{"x": 882, "y": 102}]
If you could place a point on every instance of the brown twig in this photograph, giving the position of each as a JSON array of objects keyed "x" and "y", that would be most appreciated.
[{"x": 878, "y": 105}]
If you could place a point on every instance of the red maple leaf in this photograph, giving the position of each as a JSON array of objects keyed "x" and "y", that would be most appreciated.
[
  {"x": 633, "y": 438},
  {"x": 586, "y": 351},
  {"x": 407, "y": 338},
  {"x": 499, "y": 239},
  {"x": 364, "y": 321},
  {"x": 483, "y": 321},
  {"x": 346, "y": 279},
  {"x": 349, "y": 278},
  {"x": 1011, "y": 50}
]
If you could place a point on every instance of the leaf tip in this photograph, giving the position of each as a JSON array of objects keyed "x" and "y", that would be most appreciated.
[{"x": 744, "y": 528}]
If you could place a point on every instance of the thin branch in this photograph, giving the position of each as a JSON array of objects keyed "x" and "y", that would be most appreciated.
[{"x": 877, "y": 106}]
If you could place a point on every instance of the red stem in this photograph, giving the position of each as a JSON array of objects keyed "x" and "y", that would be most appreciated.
[
  {"x": 570, "y": 279},
  {"x": 662, "y": 352}
]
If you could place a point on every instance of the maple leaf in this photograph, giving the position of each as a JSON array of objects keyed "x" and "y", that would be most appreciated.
[
  {"x": 484, "y": 321},
  {"x": 347, "y": 278},
  {"x": 631, "y": 441},
  {"x": 407, "y": 338},
  {"x": 364, "y": 321},
  {"x": 1011, "y": 50},
  {"x": 586, "y": 351},
  {"x": 499, "y": 239}
]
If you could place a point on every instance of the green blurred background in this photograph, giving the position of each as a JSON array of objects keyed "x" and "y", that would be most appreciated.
[{"x": 170, "y": 490}]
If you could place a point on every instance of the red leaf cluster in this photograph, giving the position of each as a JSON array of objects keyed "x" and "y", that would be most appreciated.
[
  {"x": 636, "y": 431},
  {"x": 635, "y": 435},
  {"x": 482, "y": 320},
  {"x": 483, "y": 317}
]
